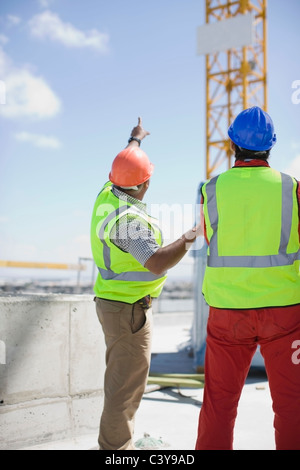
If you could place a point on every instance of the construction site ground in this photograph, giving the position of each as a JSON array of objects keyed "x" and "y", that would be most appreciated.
[{"x": 167, "y": 418}]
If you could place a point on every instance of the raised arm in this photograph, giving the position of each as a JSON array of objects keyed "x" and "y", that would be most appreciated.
[{"x": 139, "y": 133}]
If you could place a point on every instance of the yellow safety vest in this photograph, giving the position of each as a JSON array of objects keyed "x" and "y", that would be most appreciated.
[
  {"x": 120, "y": 276},
  {"x": 252, "y": 219}
]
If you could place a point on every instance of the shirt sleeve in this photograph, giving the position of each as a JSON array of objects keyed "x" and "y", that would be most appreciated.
[{"x": 132, "y": 236}]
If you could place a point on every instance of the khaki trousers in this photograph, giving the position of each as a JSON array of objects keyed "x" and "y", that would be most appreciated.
[{"x": 128, "y": 333}]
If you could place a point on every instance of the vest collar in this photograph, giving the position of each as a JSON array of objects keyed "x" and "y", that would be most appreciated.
[
  {"x": 132, "y": 200},
  {"x": 252, "y": 162}
]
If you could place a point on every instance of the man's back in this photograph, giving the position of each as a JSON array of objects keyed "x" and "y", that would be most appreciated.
[{"x": 251, "y": 216}]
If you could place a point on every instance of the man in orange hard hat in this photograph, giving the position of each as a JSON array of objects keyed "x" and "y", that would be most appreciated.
[{"x": 132, "y": 264}]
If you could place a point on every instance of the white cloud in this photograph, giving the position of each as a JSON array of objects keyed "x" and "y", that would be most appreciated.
[
  {"x": 5, "y": 63},
  {"x": 45, "y": 3},
  {"x": 3, "y": 39},
  {"x": 38, "y": 140},
  {"x": 26, "y": 95},
  {"x": 294, "y": 168},
  {"x": 13, "y": 20},
  {"x": 49, "y": 25}
]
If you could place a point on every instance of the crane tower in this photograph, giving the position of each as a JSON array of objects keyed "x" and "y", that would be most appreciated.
[
  {"x": 236, "y": 78},
  {"x": 233, "y": 40}
]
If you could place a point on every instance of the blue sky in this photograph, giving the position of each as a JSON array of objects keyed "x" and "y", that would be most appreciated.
[{"x": 77, "y": 75}]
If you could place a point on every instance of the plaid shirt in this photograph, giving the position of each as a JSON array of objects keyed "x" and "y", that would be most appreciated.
[{"x": 143, "y": 244}]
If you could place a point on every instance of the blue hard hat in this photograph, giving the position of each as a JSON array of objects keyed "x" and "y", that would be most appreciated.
[{"x": 253, "y": 129}]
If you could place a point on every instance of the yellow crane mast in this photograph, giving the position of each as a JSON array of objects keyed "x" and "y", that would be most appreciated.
[{"x": 235, "y": 78}]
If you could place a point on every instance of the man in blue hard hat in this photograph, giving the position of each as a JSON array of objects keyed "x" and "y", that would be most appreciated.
[{"x": 252, "y": 285}]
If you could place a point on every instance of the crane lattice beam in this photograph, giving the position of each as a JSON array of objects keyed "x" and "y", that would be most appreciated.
[{"x": 236, "y": 79}]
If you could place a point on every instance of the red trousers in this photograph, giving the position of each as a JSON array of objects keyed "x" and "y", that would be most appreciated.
[{"x": 232, "y": 339}]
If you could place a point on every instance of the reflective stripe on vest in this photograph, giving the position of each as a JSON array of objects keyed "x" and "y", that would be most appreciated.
[
  {"x": 281, "y": 259},
  {"x": 107, "y": 274}
]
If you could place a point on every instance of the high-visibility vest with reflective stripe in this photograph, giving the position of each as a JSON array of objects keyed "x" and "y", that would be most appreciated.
[
  {"x": 120, "y": 276},
  {"x": 252, "y": 218}
]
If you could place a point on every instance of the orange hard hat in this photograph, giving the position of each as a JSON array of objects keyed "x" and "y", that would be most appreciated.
[{"x": 131, "y": 167}]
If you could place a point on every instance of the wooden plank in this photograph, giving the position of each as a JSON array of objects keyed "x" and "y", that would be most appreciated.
[{"x": 181, "y": 380}]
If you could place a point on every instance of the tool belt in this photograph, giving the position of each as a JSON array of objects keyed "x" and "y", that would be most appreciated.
[{"x": 145, "y": 302}]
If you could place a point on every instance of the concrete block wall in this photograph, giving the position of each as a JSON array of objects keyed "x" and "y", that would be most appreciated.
[{"x": 52, "y": 363}]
